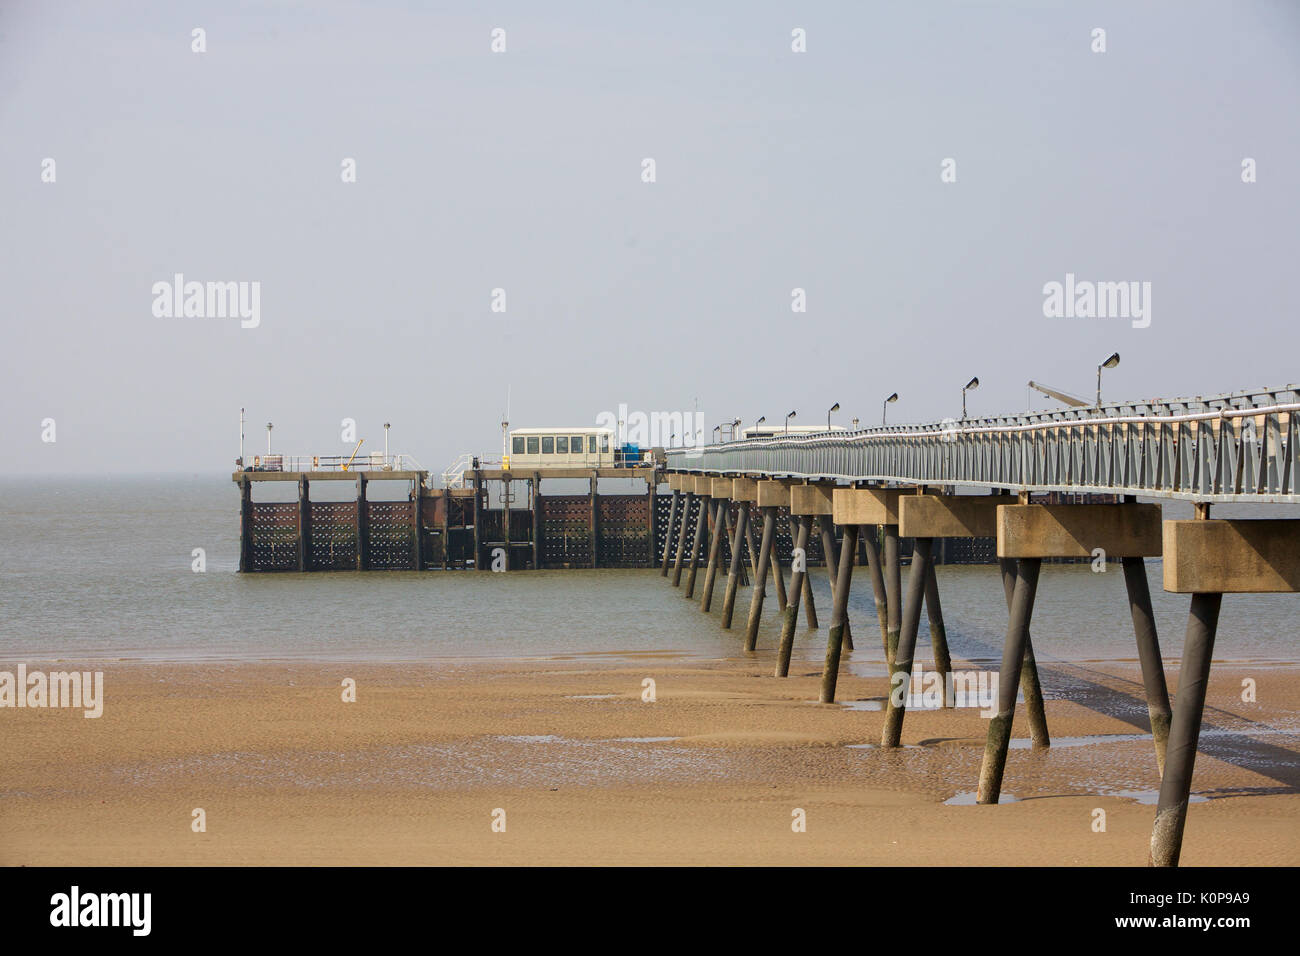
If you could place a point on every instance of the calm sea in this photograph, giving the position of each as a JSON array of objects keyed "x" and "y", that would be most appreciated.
[{"x": 102, "y": 569}]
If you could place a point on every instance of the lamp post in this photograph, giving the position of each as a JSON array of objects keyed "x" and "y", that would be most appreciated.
[
  {"x": 269, "y": 426},
  {"x": 759, "y": 422},
  {"x": 973, "y": 383},
  {"x": 833, "y": 408},
  {"x": 884, "y": 406},
  {"x": 787, "y": 422},
  {"x": 388, "y": 426},
  {"x": 1109, "y": 363}
]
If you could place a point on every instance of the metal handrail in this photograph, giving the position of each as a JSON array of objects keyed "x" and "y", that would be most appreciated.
[{"x": 1245, "y": 450}]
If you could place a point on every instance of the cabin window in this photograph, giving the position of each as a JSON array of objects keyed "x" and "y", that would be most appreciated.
[
  {"x": 604, "y": 444},
  {"x": 562, "y": 445},
  {"x": 548, "y": 444},
  {"x": 517, "y": 445},
  {"x": 576, "y": 444},
  {"x": 591, "y": 444},
  {"x": 532, "y": 445}
]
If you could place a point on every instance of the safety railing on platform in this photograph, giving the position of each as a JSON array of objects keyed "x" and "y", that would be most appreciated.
[
  {"x": 1238, "y": 447},
  {"x": 377, "y": 461}
]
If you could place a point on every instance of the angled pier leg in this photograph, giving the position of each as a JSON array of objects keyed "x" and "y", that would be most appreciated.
[
  {"x": 839, "y": 614},
  {"x": 668, "y": 533},
  {"x": 1148, "y": 646},
  {"x": 733, "y": 578},
  {"x": 715, "y": 548},
  {"x": 693, "y": 562},
  {"x": 751, "y": 553},
  {"x": 872, "y": 550},
  {"x": 791, "y": 615},
  {"x": 893, "y": 594},
  {"x": 778, "y": 576},
  {"x": 681, "y": 537},
  {"x": 901, "y": 676},
  {"x": 832, "y": 569},
  {"x": 1185, "y": 730},
  {"x": 938, "y": 633},
  {"x": 760, "y": 577},
  {"x": 809, "y": 607},
  {"x": 1029, "y": 684},
  {"x": 1013, "y": 657},
  {"x": 730, "y": 539}
]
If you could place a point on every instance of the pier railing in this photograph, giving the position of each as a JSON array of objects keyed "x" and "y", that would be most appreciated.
[
  {"x": 1239, "y": 447},
  {"x": 377, "y": 461}
]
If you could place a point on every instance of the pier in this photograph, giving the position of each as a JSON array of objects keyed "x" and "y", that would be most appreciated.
[{"x": 1040, "y": 488}]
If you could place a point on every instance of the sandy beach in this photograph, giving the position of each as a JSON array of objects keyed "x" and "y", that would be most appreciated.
[{"x": 587, "y": 772}]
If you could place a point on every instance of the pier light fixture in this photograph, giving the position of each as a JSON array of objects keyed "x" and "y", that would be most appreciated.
[
  {"x": 760, "y": 421},
  {"x": 386, "y": 427},
  {"x": 269, "y": 426},
  {"x": 1109, "y": 363},
  {"x": 833, "y": 408},
  {"x": 717, "y": 430},
  {"x": 855, "y": 423},
  {"x": 884, "y": 407},
  {"x": 973, "y": 383},
  {"x": 787, "y": 422}
]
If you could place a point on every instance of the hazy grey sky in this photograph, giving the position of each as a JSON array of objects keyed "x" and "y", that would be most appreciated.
[{"x": 522, "y": 170}]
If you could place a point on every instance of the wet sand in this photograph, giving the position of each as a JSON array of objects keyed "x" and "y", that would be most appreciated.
[{"x": 286, "y": 772}]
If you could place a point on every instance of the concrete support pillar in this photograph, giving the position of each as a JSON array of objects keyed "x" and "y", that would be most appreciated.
[
  {"x": 446, "y": 530},
  {"x": 594, "y": 530},
  {"x": 733, "y": 578},
  {"x": 872, "y": 549},
  {"x": 900, "y": 676},
  {"x": 668, "y": 532},
  {"x": 751, "y": 552},
  {"x": 694, "y": 560},
  {"x": 682, "y": 532},
  {"x": 1029, "y": 683},
  {"x": 417, "y": 525},
  {"x": 938, "y": 633},
  {"x": 832, "y": 566},
  {"x": 304, "y": 524},
  {"x": 537, "y": 521},
  {"x": 650, "y": 493},
  {"x": 477, "y": 516},
  {"x": 893, "y": 593},
  {"x": 760, "y": 578},
  {"x": 798, "y": 572},
  {"x": 245, "y": 524},
  {"x": 778, "y": 578},
  {"x": 839, "y": 614},
  {"x": 809, "y": 605},
  {"x": 1185, "y": 730},
  {"x": 505, "y": 521},
  {"x": 1013, "y": 656},
  {"x": 1148, "y": 647},
  {"x": 363, "y": 525},
  {"x": 715, "y": 549}
]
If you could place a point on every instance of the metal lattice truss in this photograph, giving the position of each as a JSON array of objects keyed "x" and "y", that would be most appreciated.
[{"x": 1239, "y": 447}]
